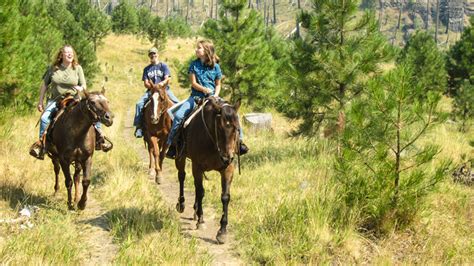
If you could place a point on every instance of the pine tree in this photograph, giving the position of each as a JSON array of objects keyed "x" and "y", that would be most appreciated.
[
  {"x": 74, "y": 35},
  {"x": 460, "y": 68},
  {"x": 144, "y": 20},
  {"x": 95, "y": 23},
  {"x": 341, "y": 49},
  {"x": 124, "y": 18},
  {"x": 428, "y": 63},
  {"x": 157, "y": 33},
  {"x": 245, "y": 53},
  {"x": 383, "y": 170}
]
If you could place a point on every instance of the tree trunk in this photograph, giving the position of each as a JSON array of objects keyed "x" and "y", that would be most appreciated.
[
  {"x": 428, "y": 14},
  {"x": 381, "y": 3},
  {"x": 211, "y": 9},
  {"x": 274, "y": 12},
  {"x": 398, "y": 24},
  {"x": 167, "y": 7},
  {"x": 437, "y": 21},
  {"x": 187, "y": 11},
  {"x": 297, "y": 21}
]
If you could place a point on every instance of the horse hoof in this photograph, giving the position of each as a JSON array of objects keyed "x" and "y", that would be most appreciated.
[
  {"x": 151, "y": 173},
  {"x": 221, "y": 238},
  {"x": 81, "y": 205},
  {"x": 158, "y": 179},
  {"x": 71, "y": 207},
  {"x": 201, "y": 226},
  {"x": 180, "y": 207}
]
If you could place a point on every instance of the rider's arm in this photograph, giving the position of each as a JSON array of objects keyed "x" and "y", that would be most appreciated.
[
  {"x": 41, "y": 96},
  {"x": 218, "y": 87},
  {"x": 148, "y": 84},
  {"x": 197, "y": 86}
]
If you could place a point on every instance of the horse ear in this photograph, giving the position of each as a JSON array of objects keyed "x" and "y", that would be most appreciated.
[
  {"x": 86, "y": 93},
  {"x": 103, "y": 90},
  {"x": 237, "y": 105},
  {"x": 216, "y": 106}
]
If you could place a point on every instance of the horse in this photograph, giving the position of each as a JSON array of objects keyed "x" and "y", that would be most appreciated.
[
  {"x": 157, "y": 125},
  {"x": 72, "y": 140},
  {"x": 210, "y": 141}
]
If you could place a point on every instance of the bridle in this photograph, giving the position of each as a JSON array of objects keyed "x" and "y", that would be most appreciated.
[
  {"x": 215, "y": 138},
  {"x": 92, "y": 110}
]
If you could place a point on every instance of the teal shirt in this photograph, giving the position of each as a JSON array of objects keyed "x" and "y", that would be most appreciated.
[{"x": 205, "y": 76}]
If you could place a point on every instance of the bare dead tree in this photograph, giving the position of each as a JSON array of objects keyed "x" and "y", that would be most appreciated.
[
  {"x": 274, "y": 12},
  {"x": 428, "y": 14},
  {"x": 437, "y": 21}
]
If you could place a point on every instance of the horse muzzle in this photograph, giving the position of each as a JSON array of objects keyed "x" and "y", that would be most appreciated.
[{"x": 107, "y": 119}]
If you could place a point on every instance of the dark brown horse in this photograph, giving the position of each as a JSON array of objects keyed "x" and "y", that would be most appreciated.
[
  {"x": 72, "y": 141},
  {"x": 211, "y": 143},
  {"x": 157, "y": 124}
]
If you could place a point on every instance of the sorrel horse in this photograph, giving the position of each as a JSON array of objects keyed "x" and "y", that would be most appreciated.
[
  {"x": 72, "y": 141},
  {"x": 157, "y": 124},
  {"x": 211, "y": 143}
]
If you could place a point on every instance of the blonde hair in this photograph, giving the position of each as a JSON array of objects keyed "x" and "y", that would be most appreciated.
[
  {"x": 209, "y": 51},
  {"x": 59, "y": 57}
]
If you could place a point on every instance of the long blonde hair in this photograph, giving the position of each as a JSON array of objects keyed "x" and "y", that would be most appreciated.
[
  {"x": 59, "y": 58},
  {"x": 209, "y": 52}
]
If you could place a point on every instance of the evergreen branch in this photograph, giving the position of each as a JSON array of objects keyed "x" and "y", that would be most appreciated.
[{"x": 427, "y": 124}]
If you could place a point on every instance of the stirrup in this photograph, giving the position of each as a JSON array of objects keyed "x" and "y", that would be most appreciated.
[{"x": 37, "y": 150}]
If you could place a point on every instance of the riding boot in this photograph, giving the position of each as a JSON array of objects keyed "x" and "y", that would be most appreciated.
[
  {"x": 171, "y": 153},
  {"x": 37, "y": 150},
  {"x": 101, "y": 143}
]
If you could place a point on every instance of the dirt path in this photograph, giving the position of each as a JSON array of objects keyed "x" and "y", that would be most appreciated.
[
  {"x": 95, "y": 231},
  {"x": 169, "y": 188}
]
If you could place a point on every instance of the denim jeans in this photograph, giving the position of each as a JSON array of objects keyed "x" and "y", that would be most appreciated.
[
  {"x": 141, "y": 102},
  {"x": 182, "y": 112},
  {"x": 51, "y": 107}
]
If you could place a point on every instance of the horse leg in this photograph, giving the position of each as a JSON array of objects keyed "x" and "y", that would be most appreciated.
[
  {"x": 180, "y": 165},
  {"x": 226, "y": 180},
  {"x": 162, "y": 151},
  {"x": 67, "y": 176},
  {"x": 199, "y": 190},
  {"x": 57, "y": 168},
  {"x": 86, "y": 171},
  {"x": 77, "y": 177},
  {"x": 151, "y": 171},
  {"x": 156, "y": 157}
]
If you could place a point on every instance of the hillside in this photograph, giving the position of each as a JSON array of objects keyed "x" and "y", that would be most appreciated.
[{"x": 282, "y": 207}]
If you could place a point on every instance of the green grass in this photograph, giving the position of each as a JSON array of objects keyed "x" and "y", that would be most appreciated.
[{"x": 284, "y": 206}]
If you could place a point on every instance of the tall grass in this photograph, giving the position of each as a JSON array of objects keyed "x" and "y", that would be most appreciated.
[{"x": 284, "y": 209}]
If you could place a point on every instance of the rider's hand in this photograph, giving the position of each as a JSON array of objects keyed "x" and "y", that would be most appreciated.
[
  {"x": 78, "y": 88},
  {"x": 40, "y": 108},
  {"x": 207, "y": 91}
]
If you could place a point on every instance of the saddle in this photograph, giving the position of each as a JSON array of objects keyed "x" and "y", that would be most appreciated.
[{"x": 64, "y": 104}]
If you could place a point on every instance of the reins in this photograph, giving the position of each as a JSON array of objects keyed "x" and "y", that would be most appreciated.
[{"x": 215, "y": 140}]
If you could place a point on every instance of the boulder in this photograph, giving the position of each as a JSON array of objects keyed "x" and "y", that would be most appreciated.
[{"x": 258, "y": 121}]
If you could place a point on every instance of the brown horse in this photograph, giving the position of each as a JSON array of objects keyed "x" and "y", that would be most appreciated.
[
  {"x": 211, "y": 143},
  {"x": 72, "y": 141},
  {"x": 157, "y": 124}
]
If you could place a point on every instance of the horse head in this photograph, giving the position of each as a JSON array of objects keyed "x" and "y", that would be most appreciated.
[
  {"x": 226, "y": 127},
  {"x": 160, "y": 104},
  {"x": 97, "y": 107}
]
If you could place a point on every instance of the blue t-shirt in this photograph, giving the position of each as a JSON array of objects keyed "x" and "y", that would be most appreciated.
[
  {"x": 205, "y": 76},
  {"x": 156, "y": 73}
]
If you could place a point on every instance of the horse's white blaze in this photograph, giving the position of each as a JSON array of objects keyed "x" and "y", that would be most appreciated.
[{"x": 155, "y": 105}]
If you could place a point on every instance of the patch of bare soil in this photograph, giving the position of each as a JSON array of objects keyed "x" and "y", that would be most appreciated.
[
  {"x": 96, "y": 232},
  {"x": 223, "y": 254}
]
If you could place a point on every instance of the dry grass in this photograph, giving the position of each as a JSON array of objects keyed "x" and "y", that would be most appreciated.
[{"x": 282, "y": 208}]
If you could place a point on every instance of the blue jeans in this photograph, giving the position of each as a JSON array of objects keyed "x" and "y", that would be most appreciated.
[
  {"x": 51, "y": 107},
  {"x": 139, "y": 106},
  {"x": 182, "y": 112},
  {"x": 179, "y": 115}
]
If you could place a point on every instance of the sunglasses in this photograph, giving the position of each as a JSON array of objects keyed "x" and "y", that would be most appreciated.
[{"x": 151, "y": 54}]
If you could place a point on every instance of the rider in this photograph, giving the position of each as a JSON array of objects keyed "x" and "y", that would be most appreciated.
[
  {"x": 156, "y": 73},
  {"x": 65, "y": 76},
  {"x": 205, "y": 76}
]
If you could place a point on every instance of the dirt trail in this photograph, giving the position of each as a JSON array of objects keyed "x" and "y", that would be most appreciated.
[
  {"x": 95, "y": 231},
  {"x": 169, "y": 188}
]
